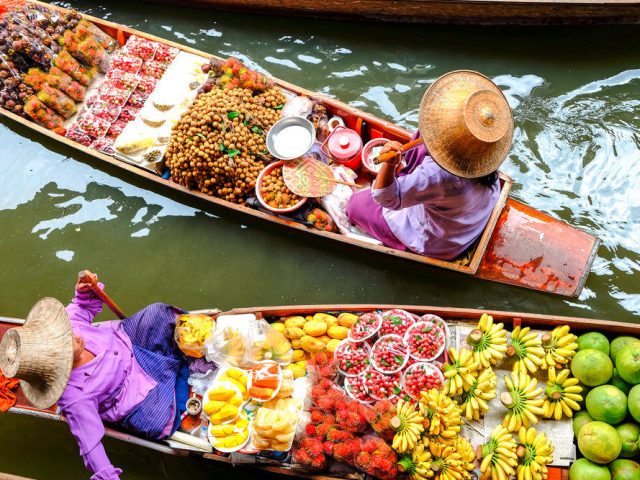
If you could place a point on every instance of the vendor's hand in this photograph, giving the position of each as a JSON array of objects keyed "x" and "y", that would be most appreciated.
[
  {"x": 395, "y": 147},
  {"x": 84, "y": 287}
]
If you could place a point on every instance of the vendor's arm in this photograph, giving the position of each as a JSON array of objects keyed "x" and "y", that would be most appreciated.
[
  {"x": 85, "y": 304},
  {"x": 397, "y": 193},
  {"x": 86, "y": 426}
]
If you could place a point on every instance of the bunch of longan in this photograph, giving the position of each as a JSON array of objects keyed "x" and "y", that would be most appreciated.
[{"x": 218, "y": 146}]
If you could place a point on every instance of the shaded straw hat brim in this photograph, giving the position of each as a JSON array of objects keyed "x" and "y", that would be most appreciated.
[
  {"x": 466, "y": 124},
  {"x": 40, "y": 353}
]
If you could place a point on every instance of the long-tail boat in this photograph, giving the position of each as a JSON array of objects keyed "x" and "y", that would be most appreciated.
[
  {"x": 519, "y": 246},
  {"x": 474, "y": 12},
  {"x": 452, "y": 316}
]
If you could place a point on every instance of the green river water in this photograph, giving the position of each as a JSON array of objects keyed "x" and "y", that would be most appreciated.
[{"x": 575, "y": 94}]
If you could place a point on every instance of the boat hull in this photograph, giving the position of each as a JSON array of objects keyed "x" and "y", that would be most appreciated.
[
  {"x": 473, "y": 12},
  {"x": 513, "y": 236},
  {"x": 578, "y": 325}
]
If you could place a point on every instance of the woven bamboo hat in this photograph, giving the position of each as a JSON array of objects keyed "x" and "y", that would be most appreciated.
[
  {"x": 40, "y": 353},
  {"x": 466, "y": 123}
]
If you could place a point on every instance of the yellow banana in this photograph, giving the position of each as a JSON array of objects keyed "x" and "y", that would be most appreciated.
[{"x": 488, "y": 341}]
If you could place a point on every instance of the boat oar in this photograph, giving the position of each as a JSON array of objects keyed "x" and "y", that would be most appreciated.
[
  {"x": 385, "y": 157},
  {"x": 100, "y": 293}
]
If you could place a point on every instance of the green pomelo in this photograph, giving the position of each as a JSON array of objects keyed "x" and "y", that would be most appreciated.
[
  {"x": 633, "y": 403},
  {"x": 628, "y": 364},
  {"x": 592, "y": 367},
  {"x": 594, "y": 340},
  {"x": 619, "y": 343},
  {"x": 580, "y": 420},
  {"x": 607, "y": 404},
  {"x": 599, "y": 442},
  {"x": 624, "y": 470},
  {"x": 583, "y": 469},
  {"x": 630, "y": 437},
  {"x": 619, "y": 382}
]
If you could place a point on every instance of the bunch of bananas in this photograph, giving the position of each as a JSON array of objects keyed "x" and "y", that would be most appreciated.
[
  {"x": 418, "y": 464},
  {"x": 447, "y": 463},
  {"x": 467, "y": 455},
  {"x": 498, "y": 457},
  {"x": 534, "y": 453},
  {"x": 474, "y": 401},
  {"x": 408, "y": 424},
  {"x": 527, "y": 350},
  {"x": 442, "y": 416},
  {"x": 488, "y": 341},
  {"x": 522, "y": 400},
  {"x": 559, "y": 346},
  {"x": 459, "y": 371},
  {"x": 561, "y": 395}
]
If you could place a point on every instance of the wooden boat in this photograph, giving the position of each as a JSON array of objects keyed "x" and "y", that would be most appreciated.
[
  {"x": 544, "y": 322},
  {"x": 519, "y": 246},
  {"x": 475, "y": 12}
]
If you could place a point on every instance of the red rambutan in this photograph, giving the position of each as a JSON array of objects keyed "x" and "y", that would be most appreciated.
[
  {"x": 311, "y": 430},
  {"x": 326, "y": 402},
  {"x": 314, "y": 447},
  {"x": 338, "y": 436},
  {"x": 326, "y": 384},
  {"x": 323, "y": 429},
  {"x": 319, "y": 462},
  {"x": 328, "y": 448},
  {"x": 363, "y": 460},
  {"x": 317, "y": 416}
]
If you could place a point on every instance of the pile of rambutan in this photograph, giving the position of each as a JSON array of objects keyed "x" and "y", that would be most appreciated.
[{"x": 337, "y": 424}]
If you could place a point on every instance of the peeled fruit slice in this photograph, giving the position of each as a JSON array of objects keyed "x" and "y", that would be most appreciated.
[
  {"x": 594, "y": 340},
  {"x": 583, "y": 469},
  {"x": 599, "y": 442},
  {"x": 592, "y": 367}
]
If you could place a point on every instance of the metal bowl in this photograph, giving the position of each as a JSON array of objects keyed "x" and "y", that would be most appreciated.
[{"x": 281, "y": 126}]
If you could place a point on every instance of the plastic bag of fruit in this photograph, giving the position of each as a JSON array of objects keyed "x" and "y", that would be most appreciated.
[
  {"x": 105, "y": 40},
  {"x": 60, "y": 80},
  {"x": 269, "y": 344},
  {"x": 42, "y": 114},
  {"x": 229, "y": 345},
  {"x": 57, "y": 101},
  {"x": 192, "y": 331},
  {"x": 69, "y": 65}
]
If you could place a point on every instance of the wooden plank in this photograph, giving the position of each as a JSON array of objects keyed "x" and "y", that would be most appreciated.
[{"x": 486, "y": 12}]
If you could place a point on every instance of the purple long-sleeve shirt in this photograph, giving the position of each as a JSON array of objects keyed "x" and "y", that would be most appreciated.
[
  {"x": 106, "y": 388},
  {"x": 434, "y": 212}
]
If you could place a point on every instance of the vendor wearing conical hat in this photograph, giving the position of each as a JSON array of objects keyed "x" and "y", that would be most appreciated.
[
  {"x": 440, "y": 202},
  {"x": 130, "y": 373}
]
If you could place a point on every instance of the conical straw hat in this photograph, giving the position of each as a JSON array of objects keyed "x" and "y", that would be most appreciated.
[
  {"x": 40, "y": 353},
  {"x": 466, "y": 124}
]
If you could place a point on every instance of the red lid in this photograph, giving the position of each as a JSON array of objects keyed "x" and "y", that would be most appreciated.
[{"x": 344, "y": 143}]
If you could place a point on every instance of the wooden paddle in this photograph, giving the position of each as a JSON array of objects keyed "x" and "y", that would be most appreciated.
[
  {"x": 385, "y": 157},
  {"x": 84, "y": 277}
]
